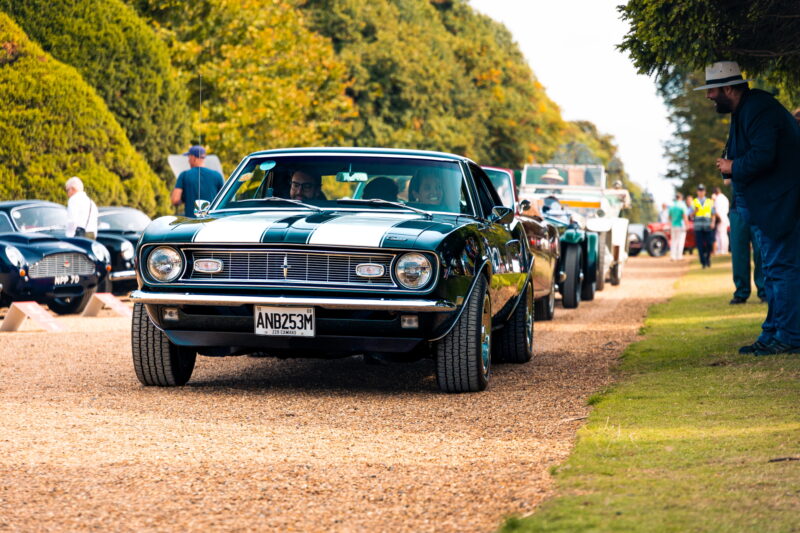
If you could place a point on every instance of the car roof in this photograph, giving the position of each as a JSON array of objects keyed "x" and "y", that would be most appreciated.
[
  {"x": 362, "y": 151},
  {"x": 11, "y": 204}
]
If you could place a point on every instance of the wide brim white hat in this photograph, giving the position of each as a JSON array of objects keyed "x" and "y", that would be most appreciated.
[
  {"x": 722, "y": 74},
  {"x": 552, "y": 176}
]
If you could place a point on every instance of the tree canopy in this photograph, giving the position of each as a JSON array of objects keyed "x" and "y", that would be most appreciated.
[
  {"x": 262, "y": 78},
  {"x": 761, "y": 35},
  {"x": 119, "y": 55},
  {"x": 54, "y": 125}
]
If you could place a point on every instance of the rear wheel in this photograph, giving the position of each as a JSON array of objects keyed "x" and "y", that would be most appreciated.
[
  {"x": 600, "y": 282},
  {"x": 156, "y": 360},
  {"x": 514, "y": 343},
  {"x": 571, "y": 297},
  {"x": 68, "y": 306},
  {"x": 463, "y": 357}
]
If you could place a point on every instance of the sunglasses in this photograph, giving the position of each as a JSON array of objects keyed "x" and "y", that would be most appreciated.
[{"x": 303, "y": 186}]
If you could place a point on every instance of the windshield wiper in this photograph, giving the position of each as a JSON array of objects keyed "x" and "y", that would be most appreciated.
[
  {"x": 290, "y": 201},
  {"x": 378, "y": 201}
]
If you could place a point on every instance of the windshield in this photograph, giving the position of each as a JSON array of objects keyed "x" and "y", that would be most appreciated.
[
  {"x": 323, "y": 180},
  {"x": 40, "y": 218},
  {"x": 123, "y": 220},
  {"x": 582, "y": 175},
  {"x": 503, "y": 183}
]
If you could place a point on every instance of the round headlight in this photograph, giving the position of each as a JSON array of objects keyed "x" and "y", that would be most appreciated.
[
  {"x": 15, "y": 256},
  {"x": 101, "y": 252},
  {"x": 126, "y": 250},
  {"x": 164, "y": 264},
  {"x": 413, "y": 270}
]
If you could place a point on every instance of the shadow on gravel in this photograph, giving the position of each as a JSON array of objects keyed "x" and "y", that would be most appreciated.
[{"x": 346, "y": 375}]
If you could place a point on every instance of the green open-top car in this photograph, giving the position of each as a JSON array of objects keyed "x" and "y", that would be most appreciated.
[{"x": 335, "y": 252}]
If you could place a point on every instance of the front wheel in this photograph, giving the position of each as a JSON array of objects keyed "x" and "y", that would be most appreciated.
[
  {"x": 656, "y": 245},
  {"x": 545, "y": 308},
  {"x": 571, "y": 296},
  {"x": 68, "y": 306},
  {"x": 514, "y": 343},
  {"x": 156, "y": 360},
  {"x": 463, "y": 356}
]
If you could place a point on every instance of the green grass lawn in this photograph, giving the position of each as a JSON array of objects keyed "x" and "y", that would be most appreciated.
[{"x": 694, "y": 436}]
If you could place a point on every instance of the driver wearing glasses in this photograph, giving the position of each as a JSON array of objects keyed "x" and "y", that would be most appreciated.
[{"x": 305, "y": 186}]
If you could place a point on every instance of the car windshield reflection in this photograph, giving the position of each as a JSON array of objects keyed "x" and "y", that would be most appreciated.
[
  {"x": 330, "y": 182},
  {"x": 40, "y": 218}
]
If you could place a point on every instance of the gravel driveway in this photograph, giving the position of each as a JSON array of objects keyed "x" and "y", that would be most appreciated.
[{"x": 305, "y": 445}]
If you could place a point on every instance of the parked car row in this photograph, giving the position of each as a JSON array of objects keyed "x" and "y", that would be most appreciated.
[
  {"x": 40, "y": 263},
  {"x": 394, "y": 254}
]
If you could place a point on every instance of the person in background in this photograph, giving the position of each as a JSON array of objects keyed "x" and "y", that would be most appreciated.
[
  {"x": 663, "y": 215},
  {"x": 679, "y": 221},
  {"x": 762, "y": 161},
  {"x": 722, "y": 208},
  {"x": 81, "y": 211},
  {"x": 196, "y": 183},
  {"x": 742, "y": 242},
  {"x": 703, "y": 216}
]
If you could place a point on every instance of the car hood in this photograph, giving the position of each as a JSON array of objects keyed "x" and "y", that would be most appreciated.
[
  {"x": 37, "y": 245},
  {"x": 360, "y": 229}
]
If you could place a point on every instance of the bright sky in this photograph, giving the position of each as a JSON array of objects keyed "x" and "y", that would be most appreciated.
[{"x": 570, "y": 45}]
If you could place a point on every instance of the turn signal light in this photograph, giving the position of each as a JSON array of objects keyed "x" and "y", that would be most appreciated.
[{"x": 22, "y": 272}]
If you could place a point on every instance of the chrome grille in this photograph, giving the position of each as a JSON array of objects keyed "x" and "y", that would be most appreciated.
[
  {"x": 290, "y": 267},
  {"x": 66, "y": 264}
]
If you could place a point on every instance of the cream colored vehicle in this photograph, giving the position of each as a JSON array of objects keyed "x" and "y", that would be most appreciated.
[{"x": 582, "y": 190}]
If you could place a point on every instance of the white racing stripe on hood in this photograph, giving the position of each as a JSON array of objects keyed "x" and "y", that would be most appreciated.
[
  {"x": 360, "y": 229},
  {"x": 239, "y": 228}
]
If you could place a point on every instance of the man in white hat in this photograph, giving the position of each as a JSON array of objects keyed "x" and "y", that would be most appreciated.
[{"x": 762, "y": 160}]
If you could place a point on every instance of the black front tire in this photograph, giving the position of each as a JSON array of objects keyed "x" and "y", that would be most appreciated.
[
  {"x": 545, "y": 308},
  {"x": 600, "y": 280},
  {"x": 656, "y": 245},
  {"x": 69, "y": 306},
  {"x": 514, "y": 343},
  {"x": 571, "y": 294},
  {"x": 156, "y": 360},
  {"x": 463, "y": 356}
]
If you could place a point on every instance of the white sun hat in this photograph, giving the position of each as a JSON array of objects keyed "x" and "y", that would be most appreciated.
[
  {"x": 552, "y": 176},
  {"x": 722, "y": 73}
]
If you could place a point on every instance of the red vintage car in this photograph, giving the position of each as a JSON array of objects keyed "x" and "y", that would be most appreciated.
[{"x": 656, "y": 239}]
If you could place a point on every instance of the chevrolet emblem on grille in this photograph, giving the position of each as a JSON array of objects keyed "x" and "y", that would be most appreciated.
[{"x": 285, "y": 266}]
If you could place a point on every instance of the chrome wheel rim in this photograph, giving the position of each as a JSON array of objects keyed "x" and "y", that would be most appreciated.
[{"x": 486, "y": 335}]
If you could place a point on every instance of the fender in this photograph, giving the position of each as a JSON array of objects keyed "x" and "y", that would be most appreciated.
[
  {"x": 591, "y": 254},
  {"x": 484, "y": 266},
  {"x": 573, "y": 236},
  {"x": 519, "y": 298}
]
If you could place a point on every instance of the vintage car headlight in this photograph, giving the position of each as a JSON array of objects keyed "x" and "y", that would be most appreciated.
[
  {"x": 413, "y": 270},
  {"x": 101, "y": 252},
  {"x": 15, "y": 256},
  {"x": 126, "y": 250},
  {"x": 164, "y": 263}
]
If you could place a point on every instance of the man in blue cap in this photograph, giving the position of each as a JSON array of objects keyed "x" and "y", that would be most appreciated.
[
  {"x": 197, "y": 183},
  {"x": 762, "y": 160}
]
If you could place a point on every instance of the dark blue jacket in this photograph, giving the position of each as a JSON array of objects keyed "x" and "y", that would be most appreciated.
[{"x": 764, "y": 143}]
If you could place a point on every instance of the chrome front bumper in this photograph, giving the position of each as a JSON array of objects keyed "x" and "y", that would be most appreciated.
[
  {"x": 122, "y": 275},
  {"x": 390, "y": 304}
]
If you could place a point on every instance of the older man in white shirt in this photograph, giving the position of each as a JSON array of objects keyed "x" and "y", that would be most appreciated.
[
  {"x": 722, "y": 207},
  {"x": 81, "y": 211}
]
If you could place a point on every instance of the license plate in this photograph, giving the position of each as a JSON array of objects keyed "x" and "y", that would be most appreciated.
[
  {"x": 284, "y": 321},
  {"x": 70, "y": 279}
]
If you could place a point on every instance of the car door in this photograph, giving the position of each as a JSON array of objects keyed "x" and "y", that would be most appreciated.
[{"x": 505, "y": 244}]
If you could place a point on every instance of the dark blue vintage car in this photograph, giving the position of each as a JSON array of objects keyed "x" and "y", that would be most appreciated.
[
  {"x": 334, "y": 252},
  {"x": 119, "y": 229},
  {"x": 39, "y": 263}
]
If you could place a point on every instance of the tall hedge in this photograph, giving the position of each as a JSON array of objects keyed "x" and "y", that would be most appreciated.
[
  {"x": 54, "y": 125},
  {"x": 123, "y": 59}
]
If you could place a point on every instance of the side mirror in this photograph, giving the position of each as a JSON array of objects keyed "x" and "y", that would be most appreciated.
[
  {"x": 501, "y": 214},
  {"x": 201, "y": 208}
]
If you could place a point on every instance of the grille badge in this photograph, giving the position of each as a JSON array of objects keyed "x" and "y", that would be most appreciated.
[
  {"x": 285, "y": 266},
  {"x": 369, "y": 270}
]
